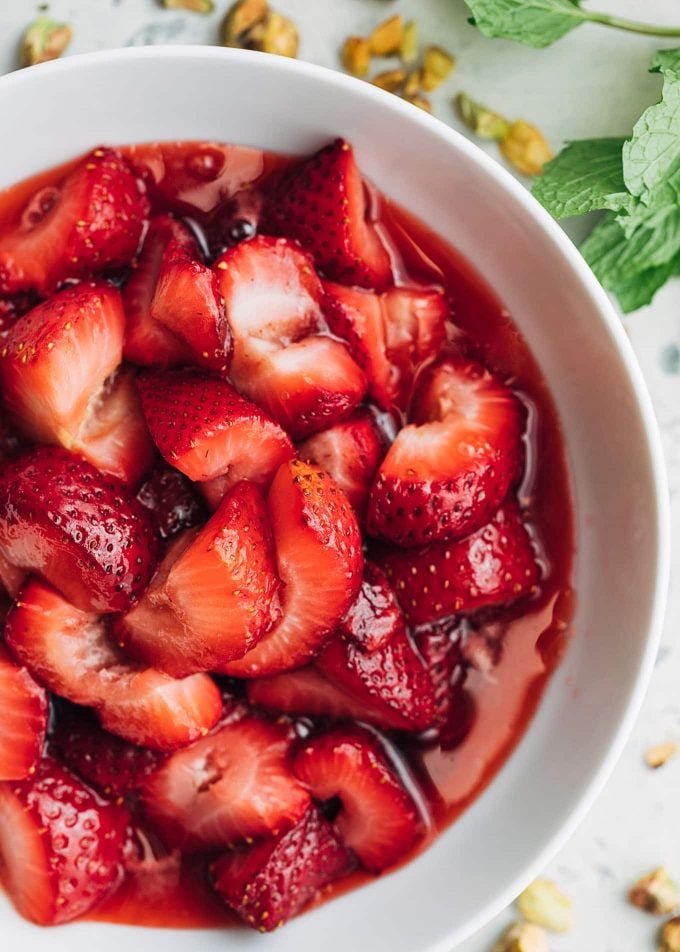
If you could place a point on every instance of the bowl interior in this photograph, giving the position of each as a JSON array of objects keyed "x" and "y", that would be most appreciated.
[{"x": 487, "y": 856}]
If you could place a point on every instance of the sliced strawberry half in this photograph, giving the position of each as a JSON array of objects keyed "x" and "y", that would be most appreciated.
[
  {"x": 11, "y": 577},
  {"x": 23, "y": 719},
  {"x": 378, "y": 819},
  {"x": 494, "y": 566},
  {"x": 374, "y": 617},
  {"x": 321, "y": 202},
  {"x": 206, "y": 429},
  {"x": 70, "y": 652},
  {"x": 270, "y": 882},
  {"x": 440, "y": 646},
  {"x": 350, "y": 452},
  {"x": 232, "y": 785},
  {"x": 84, "y": 532},
  {"x": 392, "y": 679},
  {"x": 92, "y": 221},
  {"x": 316, "y": 536},
  {"x": 308, "y": 385},
  {"x": 171, "y": 499},
  {"x": 389, "y": 335},
  {"x": 61, "y": 844},
  {"x": 446, "y": 474}
]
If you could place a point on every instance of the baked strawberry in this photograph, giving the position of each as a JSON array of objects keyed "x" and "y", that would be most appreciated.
[
  {"x": 321, "y": 202},
  {"x": 171, "y": 499},
  {"x": 446, "y": 473},
  {"x": 392, "y": 679},
  {"x": 495, "y": 565},
  {"x": 90, "y": 222},
  {"x": 232, "y": 785},
  {"x": 85, "y": 533},
  {"x": 317, "y": 540},
  {"x": 61, "y": 844},
  {"x": 440, "y": 647},
  {"x": 374, "y": 617},
  {"x": 268, "y": 883},
  {"x": 204, "y": 428},
  {"x": 23, "y": 719},
  {"x": 389, "y": 335},
  {"x": 11, "y": 577},
  {"x": 350, "y": 452},
  {"x": 378, "y": 819},
  {"x": 70, "y": 652},
  {"x": 110, "y": 764}
]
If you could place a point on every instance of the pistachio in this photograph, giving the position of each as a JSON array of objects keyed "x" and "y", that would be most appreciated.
[
  {"x": 44, "y": 40},
  {"x": 670, "y": 936},
  {"x": 437, "y": 66},
  {"x": 422, "y": 102},
  {"x": 545, "y": 905},
  {"x": 392, "y": 80},
  {"x": 241, "y": 17},
  {"x": 482, "y": 121},
  {"x": 408, "y": 48},
  {"x": 525, "y": 147},
  {"x": 356, "y": 55},
  {"x": 412, "y": 84},
  {"x": 522, "y": 937},
  {"x": 196, "y": 6},
  {"x": 660, "y": 754},
  {"x": 275, "y": 34},
  {"x": 386, "y": 37},
  {"x": 656, "y": 893}
]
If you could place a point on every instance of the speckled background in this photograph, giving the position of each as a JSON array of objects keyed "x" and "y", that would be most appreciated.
[{"x": 592, "y": 83}]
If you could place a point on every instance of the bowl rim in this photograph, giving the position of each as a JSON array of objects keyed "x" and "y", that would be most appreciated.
[{"x": 619, "y": 340}]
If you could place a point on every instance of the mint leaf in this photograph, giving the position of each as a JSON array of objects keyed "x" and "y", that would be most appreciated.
[
  {"x": 615, "y": 258},
  {"x": 652, "y": 154},
  {"x": 639, "y": 290},
  {"x": 667, "y": 62},
  {"x": 586, "y": 175},
  {"x": 535, "y": 23}
]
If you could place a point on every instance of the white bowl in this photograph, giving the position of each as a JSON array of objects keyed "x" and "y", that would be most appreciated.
[{"x": 53, "y": 112}]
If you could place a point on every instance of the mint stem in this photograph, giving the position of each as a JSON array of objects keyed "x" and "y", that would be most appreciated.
[{"x": 631, "y": 26}]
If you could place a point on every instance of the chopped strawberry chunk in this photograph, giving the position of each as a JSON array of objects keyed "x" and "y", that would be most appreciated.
[
  {"x": 70, "y": 652},
  {"x": 232, "y": 785},
  {"x": 204, "y": 428},
  {"x": 90, "y": 222},
  {"x": 379, "y": 819},
  {"x": 374, "y": 617},
  {"x": 495, "y": 565},
  {"x": 317, "y": 537},
  {"x": 270, "y": 882},
  {"x": 350, "y": 452},
  {"x": 445, "y": 474},
  {"x": 440, "y": 647},
  {"x": 11, "y": 577},
  {"x": 389, "y": 335},
  {"x": 61, "y": 845},
  {"x": 321, "y": 202},
  {"x": 171, "y": 499},
  {"x": 85, "y": 533},
  {"x": 23, "y": 719}
]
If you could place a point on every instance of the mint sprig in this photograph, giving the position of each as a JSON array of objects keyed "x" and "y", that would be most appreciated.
[
  {"x": 539, "y": 23},
  {"x": 635, "y": 248}
]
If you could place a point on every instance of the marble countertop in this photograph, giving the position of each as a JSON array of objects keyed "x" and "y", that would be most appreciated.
[{"x": 592, "y": 83}]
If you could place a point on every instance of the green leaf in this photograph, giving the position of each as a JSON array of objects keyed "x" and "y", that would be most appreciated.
[
  {"x": 586, "y": 175},
  {"x": 615, "y": 258},
  {"x": 535, "y": 23},
  {"x": 667, "y": 62},
  {"x": 652, "y": 154},
  {"x": 638, "y": 291}
]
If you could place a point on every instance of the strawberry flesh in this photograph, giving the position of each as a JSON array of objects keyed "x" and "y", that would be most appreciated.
[
  {"x": 171, "y": 500},
  {"x": 268, "y": 883},
  {"x": 374, "y": 617},
  {"x": 440, "y": 646},
  {"x": 23, "y": 719}
]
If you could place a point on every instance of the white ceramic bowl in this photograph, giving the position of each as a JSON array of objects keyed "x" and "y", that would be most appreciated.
[{"x": 50, "y": 113}]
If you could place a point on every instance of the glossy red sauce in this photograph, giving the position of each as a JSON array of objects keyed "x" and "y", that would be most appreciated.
[{"x": 192, "y": 179}]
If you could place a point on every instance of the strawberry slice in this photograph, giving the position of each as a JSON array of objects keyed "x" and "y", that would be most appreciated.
[
  {"x": 270, "y": 882},
  {"x": 83, "y": 532},
  {"x": 494, "y": 566},
  {"x": 308, "y": 385},
  {"x": 91, "y": 221},
  {"x": 317, "y": 537},
  {"x": 204, "y": 428},
  {"x": 440, "y": 647},
  {"x": 374, "y": 617},
  {"x": 23, "y": 719},
  {"x": 389, "y": 334},
  {"x": 321, "y": 202},
  {"x": 393, "y": 679},
  {"x": 234, "y": 784},
  {"x": 61, "y": 845},
  {"x": 350, "y": 452},
  {"x": 378, "y": 819},
  {"x": 446, "y": 474},
  {"x": 11, "y": 577},
  {"x": 70, "y": 652},
  {"x": 110, "y": 764},
  {"x": 171, "y": 500}
]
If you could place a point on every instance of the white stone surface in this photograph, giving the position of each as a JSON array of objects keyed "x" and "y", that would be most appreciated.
[{"x": 592, "y": 83}]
